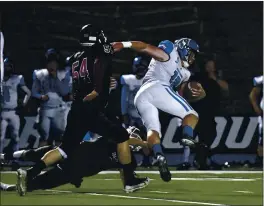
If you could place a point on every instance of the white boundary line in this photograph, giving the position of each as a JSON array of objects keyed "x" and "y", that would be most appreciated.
[
  {"x": 174, "y": 172},
  {"x": 139, "y": 198}
]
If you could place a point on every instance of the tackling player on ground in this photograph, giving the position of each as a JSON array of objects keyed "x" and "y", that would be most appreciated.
[{"x": 105, "y": 151}]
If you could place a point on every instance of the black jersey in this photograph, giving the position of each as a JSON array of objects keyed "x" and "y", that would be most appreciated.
[{"x": 91, "y": 70}]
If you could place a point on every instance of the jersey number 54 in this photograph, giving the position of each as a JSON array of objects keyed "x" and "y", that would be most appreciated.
[{"x": 83, "y": 71}]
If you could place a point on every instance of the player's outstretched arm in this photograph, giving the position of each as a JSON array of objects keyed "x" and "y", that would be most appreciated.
[{"x": 142, "y": 47}]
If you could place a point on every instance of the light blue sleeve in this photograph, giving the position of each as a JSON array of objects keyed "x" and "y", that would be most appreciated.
[
  {"x": 35, "y": 87},
  {"x": 124, "y": 96},
  {"x": 22, "y": 82}
]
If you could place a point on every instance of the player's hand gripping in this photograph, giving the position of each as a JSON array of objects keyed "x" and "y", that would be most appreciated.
[
  {"x": 44, "y": 97},
  {"x": 198, "y": 92},
  {"x": 90, "y": 96},
  {"x": 117, "y": 46}
]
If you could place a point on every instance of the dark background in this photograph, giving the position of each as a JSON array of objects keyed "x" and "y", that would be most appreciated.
[{"x": 230, "y": 31}]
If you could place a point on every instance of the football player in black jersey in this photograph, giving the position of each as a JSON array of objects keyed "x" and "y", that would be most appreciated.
[
  {"x": 81, "y": 160},
  {"x": 91, "y": 70}
]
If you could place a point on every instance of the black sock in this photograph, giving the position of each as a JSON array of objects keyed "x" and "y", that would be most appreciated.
[
  {"x": 128, "y": 172},
  {"x": 36, "y": 169}
]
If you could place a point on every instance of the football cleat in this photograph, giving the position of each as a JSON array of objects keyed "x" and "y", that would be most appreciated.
[
  {"x": 188, "y": 141},
  {"x": 163, "y": 168},
  {"x": 136, "y": 184}
]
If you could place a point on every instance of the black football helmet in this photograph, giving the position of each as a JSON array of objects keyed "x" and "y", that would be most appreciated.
[{"x": 89, "y": 35}]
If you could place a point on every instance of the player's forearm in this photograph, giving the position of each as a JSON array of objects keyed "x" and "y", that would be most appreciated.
[
  {"x": 35, "y": 90},
  {"x": 148, "y": 49},
  {"x": 137, "y": 142},
  {"x": 27, "y": 96},
  {"x": 224, "y": 87},
  {"x": 253, "y": 98}
]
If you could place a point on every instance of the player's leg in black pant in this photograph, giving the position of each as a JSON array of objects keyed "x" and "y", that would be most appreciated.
[
  {"x": 32, "y": 155},
  {"x": 87, "y": 158},
  {"x": 119, "y": 135},
  {"x": 75, "y": 131},
  {"x": 53, "y": 178}
]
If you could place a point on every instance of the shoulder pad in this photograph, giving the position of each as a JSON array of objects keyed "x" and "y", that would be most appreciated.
[
  {"x": 258, "y": 80},
  {"x": 73, "y": 58},
  {"x": 61, "y": 74},
  {"x": 166, "y": 46},
  {"x": 41, "y": 73}
]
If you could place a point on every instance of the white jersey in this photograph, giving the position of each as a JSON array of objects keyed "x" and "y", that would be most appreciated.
[
  {"x": 10, "y": 91},
  {"x": 133, "y": 84},
  {"x": 171, "y": 72},
  {"x": 258, "y": 82},
  {"x": 55, "y": 88}
]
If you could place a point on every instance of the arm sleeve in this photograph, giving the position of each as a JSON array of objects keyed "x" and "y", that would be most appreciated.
[
  {"x": 124, "y": 96},
  {"x": 36, "y": 87},
  {"x": 100, "y": 67}
]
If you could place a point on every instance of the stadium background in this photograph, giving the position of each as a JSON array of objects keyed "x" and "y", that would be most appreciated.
[{"x": 230, "y": 31}]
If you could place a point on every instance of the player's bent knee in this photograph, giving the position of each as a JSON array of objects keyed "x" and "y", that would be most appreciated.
[
  {"x": 192, "y": 114},
  {"x": 123, "y": 136}
]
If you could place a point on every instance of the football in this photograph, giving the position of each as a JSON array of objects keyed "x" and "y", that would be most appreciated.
[{"x": 187, "y": 94}]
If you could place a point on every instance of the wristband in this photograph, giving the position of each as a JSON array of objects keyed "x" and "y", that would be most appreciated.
[{"x": 126, "y": 44}]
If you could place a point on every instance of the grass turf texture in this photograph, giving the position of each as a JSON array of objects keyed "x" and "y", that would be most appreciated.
[{"x": 185, "y": 189}]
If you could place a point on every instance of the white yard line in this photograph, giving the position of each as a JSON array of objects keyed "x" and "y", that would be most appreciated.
[
  {"x": 140, "y": 198},
  {"x": 191, "y": 172},
  {"x": 213, "y": 179},
  {"x": 196, "y": 179},
  {"x": 246, "y": 192},
  {"x": 161, "y": 192},
  {"x": 175, "y": 172}
]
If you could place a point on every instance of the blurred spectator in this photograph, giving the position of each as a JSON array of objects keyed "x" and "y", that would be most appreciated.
[
  {"x": 256, "y": 100},
  {"x": 52, "y": 86},
  {"x": 130, "y": 85},
  {"x": 9, "y": 103},
  {"x": 216, "y": 88}
]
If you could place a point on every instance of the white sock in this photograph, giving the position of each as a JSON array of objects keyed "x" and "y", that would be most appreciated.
[
  {"x": 186, "y": 154},
  {"x": 18, "y": 154}
]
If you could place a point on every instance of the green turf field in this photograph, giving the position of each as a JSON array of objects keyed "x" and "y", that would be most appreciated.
[{"x": 186, "y": 188}]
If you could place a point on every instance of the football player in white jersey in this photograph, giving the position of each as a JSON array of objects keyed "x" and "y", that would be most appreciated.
[
  {"x": 53, "y": 88},
  {"x": 168, "y": 69},
  {"x": 9, "y": 103},
  {"x": 130, "y": 86},
  {"x": 256, "y": 100}
]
